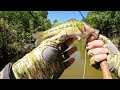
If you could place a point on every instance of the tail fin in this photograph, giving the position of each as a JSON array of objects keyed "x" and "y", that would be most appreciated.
[
  {"x": 38, "y": 41},
  {"x": 39, "y": 38},
  {"x": 37, "y": 35}
]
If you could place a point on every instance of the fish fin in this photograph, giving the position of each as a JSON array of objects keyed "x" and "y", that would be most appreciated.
[
  {"x": 56, "y": 24},
  {"x": 79, "y": 38},
  {"x": 37, "y": 35},
  {"x": 38, "y": 41}
]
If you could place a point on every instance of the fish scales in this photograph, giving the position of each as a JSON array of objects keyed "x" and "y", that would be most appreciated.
[{"x": 74, "y": 28}]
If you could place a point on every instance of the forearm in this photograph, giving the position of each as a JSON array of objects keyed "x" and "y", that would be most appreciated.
[{"x": 33, "y": 65}]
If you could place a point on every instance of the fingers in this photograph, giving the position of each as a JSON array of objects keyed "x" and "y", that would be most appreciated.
[
  {"x": 67, "y": 43},
  {"x": 99, "y": 57},
  {"x": 92, "y": 43},
  {"x": 95, "y": 44},
  {"x": 71, "y": 51},
  {"x": 57, "y": 75},
  {"x": 95, "y": 48},
  {"x": 68, "y": 53},
  {"x": 98, "y": 54},
  {"x": 69, "y": 62},
  {"x": 96, "y": 51},
  {"x": 90, "y": 38}
]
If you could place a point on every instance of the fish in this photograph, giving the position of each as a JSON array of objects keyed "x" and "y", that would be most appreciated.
[{"x": 73, "y": 27}]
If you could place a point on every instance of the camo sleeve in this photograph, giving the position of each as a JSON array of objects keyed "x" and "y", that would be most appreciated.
[
  {"x": 114, "y": 64},
  {"x": 42, "y": 62}
]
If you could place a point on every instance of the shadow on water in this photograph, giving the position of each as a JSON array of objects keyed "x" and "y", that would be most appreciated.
[{"x": 76, "y": 70}]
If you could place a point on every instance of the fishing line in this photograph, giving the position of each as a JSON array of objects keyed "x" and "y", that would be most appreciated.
[
  {"x": 84, "y": 67},
  {"x": 81, "y": 15},
  {"x": 77, "y": 15}
]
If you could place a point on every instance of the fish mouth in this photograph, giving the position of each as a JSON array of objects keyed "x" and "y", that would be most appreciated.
[
  {"x": 95, "y": 33},
  {"x": 89, "y": 32},
  {"x": 87, "y": 29}
]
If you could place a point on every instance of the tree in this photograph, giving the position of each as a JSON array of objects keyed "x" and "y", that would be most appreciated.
[
  {"x": 16, "y": 29},
  {"x": 55, "y": 21},
  {"x": 108, "y": 23}
]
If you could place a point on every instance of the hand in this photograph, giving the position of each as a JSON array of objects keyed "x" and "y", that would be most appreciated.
[
  {"x": 97, "y": 51},
  {"x": 56, "y": 55},
  {"x": 64, "y": 65},
  {"x": 103, "y": 49},
  {"x": 47, "y": 61}
]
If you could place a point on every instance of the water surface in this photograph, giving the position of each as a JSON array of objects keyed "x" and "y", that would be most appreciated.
[{"x": 76, "y": 70}]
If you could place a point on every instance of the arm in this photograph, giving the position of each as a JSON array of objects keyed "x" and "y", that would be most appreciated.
[{"x": 46, "y": 61}]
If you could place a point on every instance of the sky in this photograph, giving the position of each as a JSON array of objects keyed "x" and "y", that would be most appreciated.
[{"x": 63, "y": 16}]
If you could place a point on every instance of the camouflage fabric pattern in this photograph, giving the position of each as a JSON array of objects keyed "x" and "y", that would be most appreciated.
[{"x": 32, "y": 65}]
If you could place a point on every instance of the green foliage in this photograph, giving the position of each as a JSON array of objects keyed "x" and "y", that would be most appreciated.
[
  {"x": 55, "y": 21},
  {"x": 105, "y": 21},
  {"x": 108, "y": 22},
  {"x": 16, "y": 29}
]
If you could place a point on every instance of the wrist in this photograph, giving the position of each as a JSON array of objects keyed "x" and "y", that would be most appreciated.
[{"x": 114, "y": 63}]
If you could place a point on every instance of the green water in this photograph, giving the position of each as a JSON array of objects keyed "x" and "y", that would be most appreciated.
[{"x": 76, "y": 70}]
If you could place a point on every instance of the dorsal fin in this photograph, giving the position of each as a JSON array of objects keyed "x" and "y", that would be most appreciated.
[
  {"x": 72, "y": 19},
  {"x": 56, "y": 24},
  {"x": 37, "y": 34}
]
